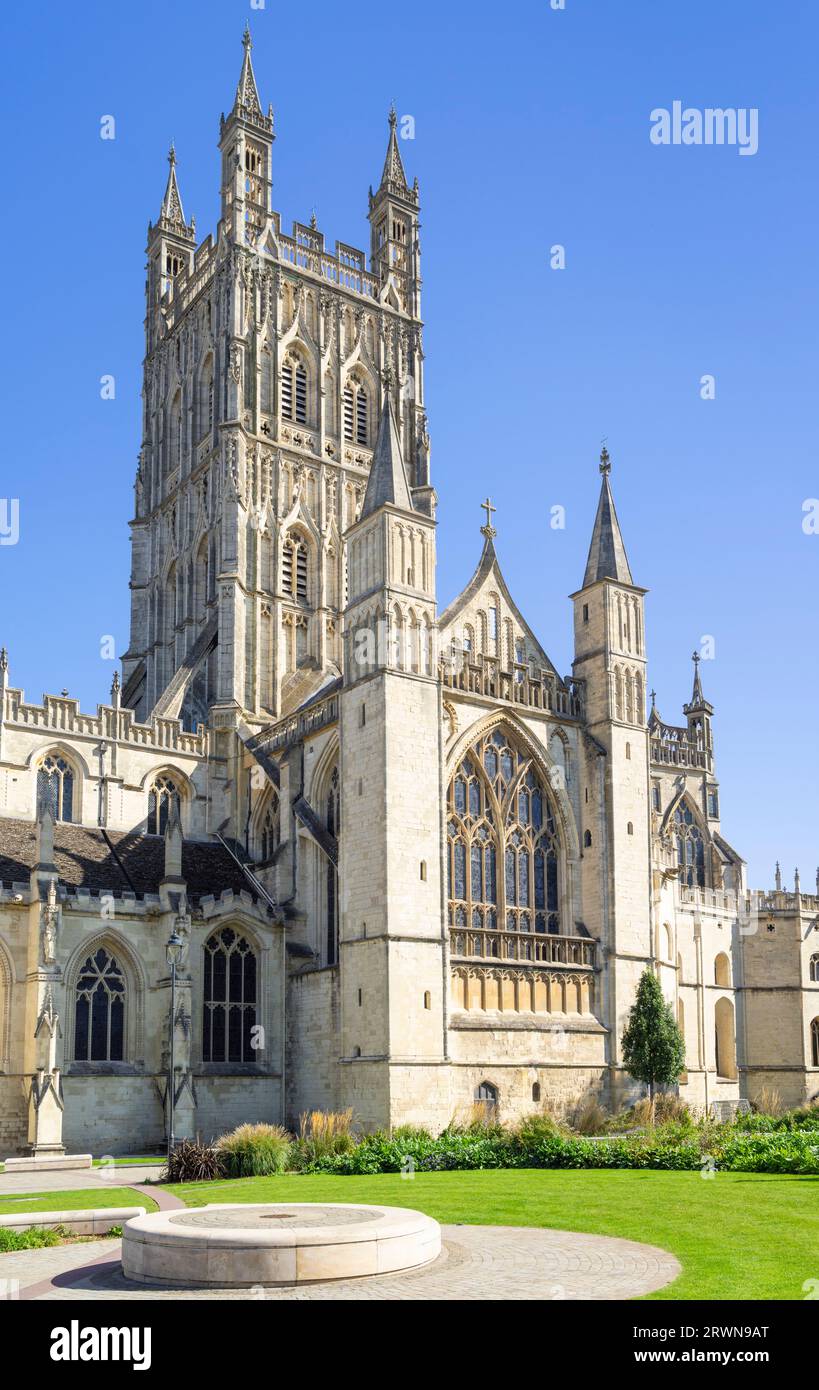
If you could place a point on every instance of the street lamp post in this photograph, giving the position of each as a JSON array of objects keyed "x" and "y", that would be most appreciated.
[{"x": 173, "y": 951}]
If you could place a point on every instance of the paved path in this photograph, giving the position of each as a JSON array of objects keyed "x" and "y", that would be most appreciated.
[
  {"x": 478, "y": 1263},
  {"x": 75, "y": 1179}
]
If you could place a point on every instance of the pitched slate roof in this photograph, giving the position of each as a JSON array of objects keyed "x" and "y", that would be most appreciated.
[{"x": 85, "y": 860}]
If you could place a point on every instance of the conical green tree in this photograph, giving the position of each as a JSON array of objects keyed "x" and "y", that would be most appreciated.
[{"x": 653, "y": 1046}]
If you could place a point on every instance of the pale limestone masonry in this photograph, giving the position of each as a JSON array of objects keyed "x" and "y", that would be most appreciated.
[{"x": 410, "y": 864}]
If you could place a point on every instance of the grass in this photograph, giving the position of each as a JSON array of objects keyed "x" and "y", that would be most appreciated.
[
  {"x": 74, "y": 1201},
  {"x": 128, "y": 1158},
  {"x": 736, "y": 1235}
]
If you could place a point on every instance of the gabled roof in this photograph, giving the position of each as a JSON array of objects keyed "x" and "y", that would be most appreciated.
[
  {"x": 607, "y": 553},
  {"x": 388, "y": 477},
  {"x": 489, "y": 575}
]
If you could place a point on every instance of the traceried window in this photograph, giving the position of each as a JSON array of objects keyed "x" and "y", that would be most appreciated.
[
  {"x": 332, "y": 818},
  {"x": 356, "y": 404},
  {"x": 814, "y": 969},
  {"x": 270, "y": 831},
  {"x": 164, "y": 793},
  {"x": 230, "y": 992},
  {"x": 690, "y": 847},
  {"x": 55, "y": 786},
  {"x": 503, "y": 843},
  {"x": 814, "y": 1042},
  {"x": 294, "y": 391},
  {"x": 99, "y": 1010}
]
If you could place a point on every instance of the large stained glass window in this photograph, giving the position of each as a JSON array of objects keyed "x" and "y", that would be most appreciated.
[
  {"x": 690, "y": 847},
  {"x": 503, "y": 842}
]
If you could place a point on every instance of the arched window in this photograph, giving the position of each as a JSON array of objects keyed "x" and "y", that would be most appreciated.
[
  {"x": 503, "y": 845},
  {"x": 725, "y": 1039},
  {"x": 722, "y": 971},
  {"x": 99, "y": 1010},
  {"x": 230, "y": 990},
  {"x": 294, "y": 391},
  {"x": 487, "y": 1094},
  {"x": 587, "y": 839},
  {"x": 175, "y": 438},
  {"x": 356, "y": 412},
  {"x": 55, "y": 786},
  {"x": 814, "y": 969},
  {"x": 690, "y": 847},
  {"x": 814, "y": 1042},
  {"x": 270, "y": 829},
  {"x": 164, "y": 793},
  {"x": 332, "y": 820},
  {"x": 295, "y": 566}
]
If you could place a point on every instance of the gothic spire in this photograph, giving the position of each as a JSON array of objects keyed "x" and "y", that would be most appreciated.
[
  {"x": 247, "y": 93},
  {"x": 172, "y": 216},
  {"x": 388, "y": 478},
  {"x": 393, "y": 178},
  {"x": 607, "y": 553},
  {"x": 697, "y": 697}
]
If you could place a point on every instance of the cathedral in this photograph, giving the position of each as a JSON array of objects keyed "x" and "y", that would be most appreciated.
[{"x": 326, "y": 847}]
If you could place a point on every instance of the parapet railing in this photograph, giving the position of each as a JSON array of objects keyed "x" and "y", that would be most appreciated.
[{"x": 527, "y": 948}]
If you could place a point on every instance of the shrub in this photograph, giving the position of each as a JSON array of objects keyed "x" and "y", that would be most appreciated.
[
  {"x": 254, "y": 1151},
  {"x": 768, "y": 1101},
  {"x": 32, "y": 1239},
  {"x": 590, "y": 1117},
  {"x": 193, "y": 1161},
  {"x": 670, "y": 1108},
  {"x": 532, "y": 1128},
  {"x": 322, "y": 1134}
]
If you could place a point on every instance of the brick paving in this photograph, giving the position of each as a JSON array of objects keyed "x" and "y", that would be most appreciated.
[{"x": 478, "y": 1263}]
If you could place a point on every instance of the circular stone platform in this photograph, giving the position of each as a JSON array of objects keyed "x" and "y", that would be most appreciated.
[{"x": 237, "y": 1245}]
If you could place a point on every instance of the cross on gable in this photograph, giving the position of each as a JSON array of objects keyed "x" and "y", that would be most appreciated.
[{"x": 488, "y": 529}]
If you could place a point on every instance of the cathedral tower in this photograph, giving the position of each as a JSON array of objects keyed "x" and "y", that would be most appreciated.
[
  {"x": 610, "y": 659},
  {"x": 262, "y": 392},
  {"x": 391, "y": 934}
]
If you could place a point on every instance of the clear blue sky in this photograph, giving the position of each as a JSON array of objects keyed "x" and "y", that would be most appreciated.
[{"x": 532, "y": 128}]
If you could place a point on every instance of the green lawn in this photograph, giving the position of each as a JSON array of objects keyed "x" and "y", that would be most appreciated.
[
  {"x": 736, "y": 1235},
  {"x": 149, "y": 1160},
  {"x": 74, "y": 1201}
]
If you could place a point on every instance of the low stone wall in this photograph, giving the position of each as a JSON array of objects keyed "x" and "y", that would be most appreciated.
[{"x": 87, "y": 1221}]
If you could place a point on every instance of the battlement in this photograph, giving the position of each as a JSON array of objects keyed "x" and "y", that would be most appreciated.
[{"x": 60, "y": 714}]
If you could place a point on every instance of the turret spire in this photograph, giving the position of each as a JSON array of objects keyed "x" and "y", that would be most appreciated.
[
  {"x": 393, "y": 178},
  {"x": 172, "y": 216},
  {"x": 388, "y": 477},
  {"x": 247, "y": 102},
  {"x": 697, "y": 697},
  {"x": 607, "y": 553}
]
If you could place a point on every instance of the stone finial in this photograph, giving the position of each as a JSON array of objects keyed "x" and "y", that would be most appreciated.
[
  {"x": 796, "y": 882},
  {"x": 44, "y": 833},
  {"x": 778, "y": 877},
  {"x": 605, "y": 461},
  {"x": 115, "y": 690},
  {"x": 173, "y": 843},
  {"x": 4, "y": 659}
]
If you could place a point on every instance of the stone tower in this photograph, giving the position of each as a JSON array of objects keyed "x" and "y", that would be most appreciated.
[
  {"x": 391, "y": 935},
  {"x": 610, "y": 658},
  {"x": 262, "y": 395}
]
